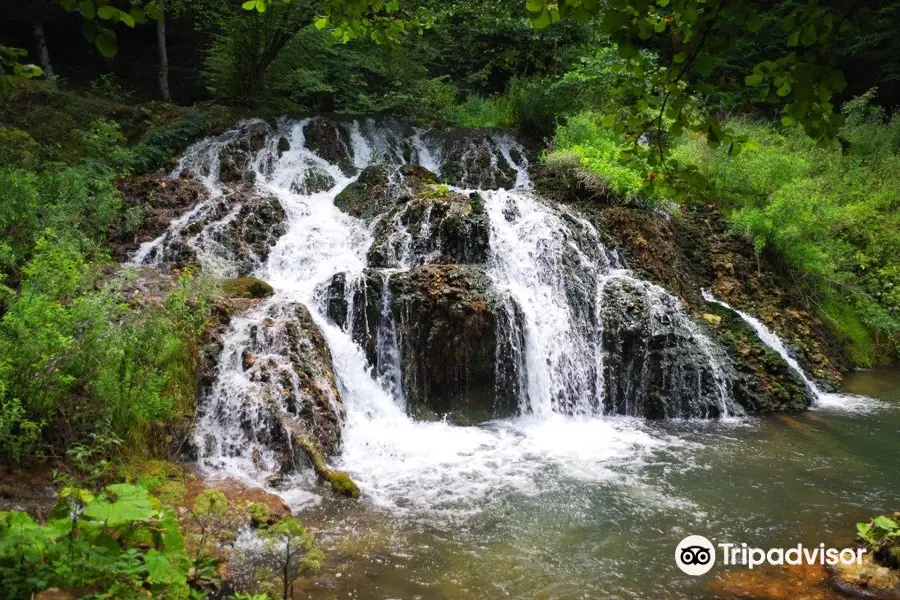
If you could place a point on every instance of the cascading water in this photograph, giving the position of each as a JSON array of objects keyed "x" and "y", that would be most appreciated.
[
  {"x": 578, "y": 336},
  {"x": 822, "y": 398}
]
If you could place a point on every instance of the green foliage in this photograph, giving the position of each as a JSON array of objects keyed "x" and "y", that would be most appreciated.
[
  {"x": 585, "y": 141},
  {"x": 80, "y": 360},
  {"x": 801, "y": 79},
  {"x": 829, "y": 213},
  {"x": 882, "y": 535},
  {"x": 118, "y": 542},
  {"x": 293, "y": 551},
  {"x": 10, "y": 64},
  {"x": 259, "y": 514}
]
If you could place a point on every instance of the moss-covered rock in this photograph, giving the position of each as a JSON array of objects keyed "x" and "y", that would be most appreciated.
[
  {"x": 438, "y": 226},
  {"x": 159, "y": 200},
  {"x": 381, "y": 187},
  {"x": 766, "y": 382},
  {"x": 246, "y": 287},
  {"x": 235, "y": 234},
  {"x": 449, "y": 329}
]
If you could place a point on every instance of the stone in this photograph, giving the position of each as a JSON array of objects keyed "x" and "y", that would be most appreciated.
[
  {"x": 246, "y": 287},
  {"x": 448, "y": 325}
]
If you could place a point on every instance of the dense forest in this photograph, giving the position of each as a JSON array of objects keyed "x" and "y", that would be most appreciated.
[{"x": 776, "y": 117}]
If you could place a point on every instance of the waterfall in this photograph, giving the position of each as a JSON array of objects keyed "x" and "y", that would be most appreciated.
[
  {"x": 821, "y": 397},
  {"x": 579, "y": 338},
  {"x": 553, "y": 266}
]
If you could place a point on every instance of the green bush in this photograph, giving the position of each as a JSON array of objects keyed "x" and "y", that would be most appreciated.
[
  {"x": 830, "y": 213},
  {"x": 119, "y": 543},
  {"x": 77, "y": 358},
  {"x": 584, "y": 138}
]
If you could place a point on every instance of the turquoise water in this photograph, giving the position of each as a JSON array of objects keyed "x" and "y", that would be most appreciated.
[{"x": 611, "y": 531}]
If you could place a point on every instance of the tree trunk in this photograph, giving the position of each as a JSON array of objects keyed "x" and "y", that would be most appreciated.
[
  {"x": 43, "y": 52},
  {"x": 163, "y": 53}
]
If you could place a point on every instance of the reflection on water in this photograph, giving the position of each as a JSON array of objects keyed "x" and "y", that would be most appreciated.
[{"x": 769, "y": 482}]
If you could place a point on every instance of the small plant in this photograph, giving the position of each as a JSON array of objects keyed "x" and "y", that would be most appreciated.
[
  {"x": 259, "y": 514},
  {"x": 209, "y": 511},
  {"x": 116, "y": 542},
  {"x": 882, "y": 534},
  {"x": 293, "y": 550},
  {"x": 107, "y": 86}
]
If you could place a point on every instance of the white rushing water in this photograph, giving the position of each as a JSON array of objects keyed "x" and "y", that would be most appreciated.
[
  {"x": 823, "y": 398},
  {"x": 553, "y": 273}
]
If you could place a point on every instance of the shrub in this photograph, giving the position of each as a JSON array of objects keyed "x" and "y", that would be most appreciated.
[
  {"x": 597, "y": 150},
  {"x": 117, "y": 542},
  {"x": 830, "y": 213}
]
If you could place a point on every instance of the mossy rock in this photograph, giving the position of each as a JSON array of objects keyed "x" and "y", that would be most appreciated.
[
  {"x": 247, "y": 287},
  {"x": 381, "y": 187},
  {"x": 765, "y": 383},
  {"x": 341, "y": 484},
  {"x": 450, "y": 329}
]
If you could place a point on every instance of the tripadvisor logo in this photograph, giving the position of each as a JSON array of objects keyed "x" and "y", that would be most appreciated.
[{"x": 696, "y": 555}]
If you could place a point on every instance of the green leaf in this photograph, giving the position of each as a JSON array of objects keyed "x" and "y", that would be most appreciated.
[
  {"x": 753, "y": 80},
  {"x": 87, "y": 9},
  {"x": 703, "y": 64},
  {"x": 249, "y": 5},
  {"x": 754, "y": 23},
  {"x": 321, "y": 22},
  {"x": 627, "y": 50},
  {"x": 159, "y": 570},
  {"x": 787, "y": 121},
  {"x": 106, "y": 45},
  {"x": 836, "y": 81},
  {"x": 108, "y": 13},
  {"x": 122, "y": 503},
  {"x": 885, "y": 523},
  {"x": 534, "y": 5}
]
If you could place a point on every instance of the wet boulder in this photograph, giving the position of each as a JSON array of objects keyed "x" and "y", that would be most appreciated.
[
  {"x": 236, "y": 154},
  {"x": 477, "y": 158},
  {"x": 437, "y": 226},
  {"x": 311, "y": 180},
  {"x": 765, "y": 381},
  {"x": 233, "y": 233},
  {"x": 330, "y": 140},
  {"x": 382, "y": 187},
  {"x": 658, "y": 363},
  {"x": 433, "y": 335},
  {"x": 292, "y": 390}
]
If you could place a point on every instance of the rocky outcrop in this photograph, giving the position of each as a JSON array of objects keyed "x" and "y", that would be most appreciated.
[
  {"x": 331, "y": 141},
  {"x": 382, "y": 187},
  {"x": 438, "y": 226},
  {"x": 236, "y": 155},
  {"x": 657, "y": 363},
  {"x": 695, "y": 250},
  {"x": 158, "y": 199},
  {"x": 288, "y": 354},
  {"x": 476, "y": 158},
  {"x": 765, "y": 382},
  {"x": 236, "y": 231},
  {"x": 446, "y": 330}
]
